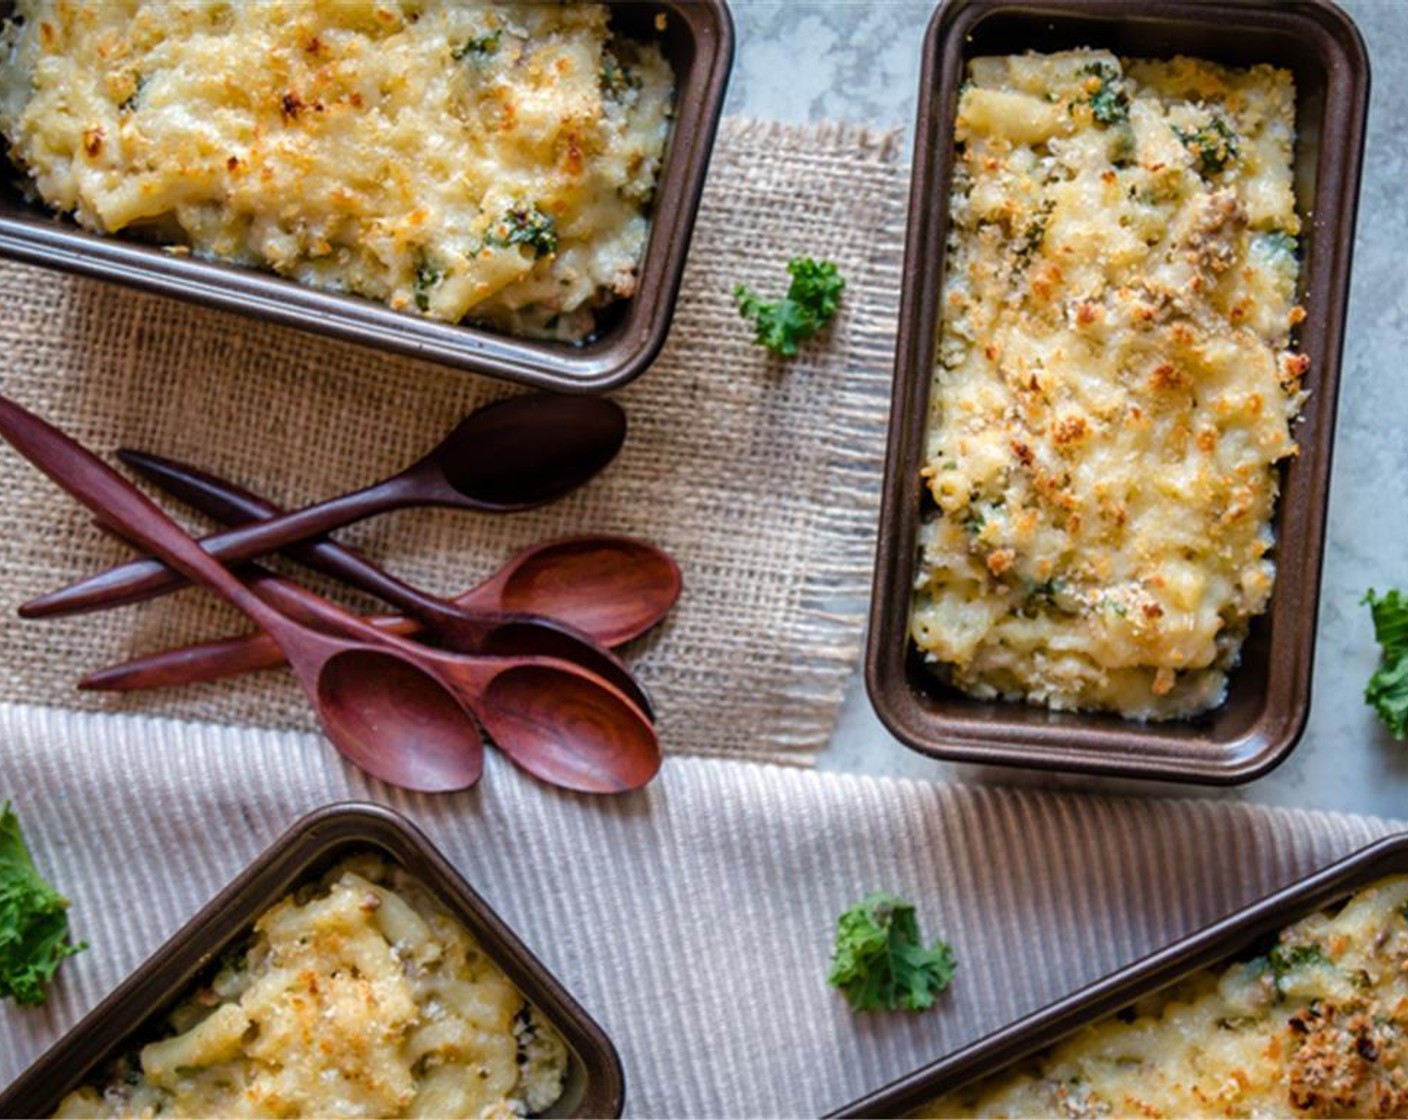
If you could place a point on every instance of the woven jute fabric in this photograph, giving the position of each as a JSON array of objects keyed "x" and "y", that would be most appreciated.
[
  {"x": 693, "y": 919},
  {"x": 759, "y": 476}
]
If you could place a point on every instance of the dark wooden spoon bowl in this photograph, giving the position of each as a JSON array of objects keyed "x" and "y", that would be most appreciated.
[
  {"x": 577, "y": 740},
  {"x": 406, "y": 706},
  {"x": 551, "y": 717},
  {"x": 614, "y": 588}
]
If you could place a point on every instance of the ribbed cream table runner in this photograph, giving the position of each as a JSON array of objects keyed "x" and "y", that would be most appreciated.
[
  {"x": 760, "y": 476},
  {"x": 692, "y": 919}
]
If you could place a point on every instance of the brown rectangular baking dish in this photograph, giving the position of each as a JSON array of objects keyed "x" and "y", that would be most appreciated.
[
  {"x": 696, "y": 37},
  {"x": 1269, "y": 694},
  {"x": 594, "y": 1085},
  {"x": 1221, "y": 942}
]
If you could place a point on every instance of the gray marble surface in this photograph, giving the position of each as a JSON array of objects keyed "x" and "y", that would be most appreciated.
[{"x": 853, "y": 61}]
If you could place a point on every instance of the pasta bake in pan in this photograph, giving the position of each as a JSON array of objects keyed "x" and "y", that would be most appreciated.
[
  {"x": 356, "y": 996},
  {"x": 458, "y": 159},
  {"x": 1115, "y": 382},
  {"x": 1314, "y": 1026}
]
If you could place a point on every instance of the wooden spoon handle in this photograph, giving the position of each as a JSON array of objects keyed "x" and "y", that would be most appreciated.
[
  {"x": 210, "y": 661},
  {"x": 611, "y": 587},
  {"x": 147, "y": 578},
  {"x": 234, "y": 505},
  {"x": 509, "y": 636},
  {"x": 120, "y": 504}
]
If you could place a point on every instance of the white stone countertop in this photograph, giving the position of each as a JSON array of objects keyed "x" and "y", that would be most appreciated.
[{"x": 853, "y": 61}]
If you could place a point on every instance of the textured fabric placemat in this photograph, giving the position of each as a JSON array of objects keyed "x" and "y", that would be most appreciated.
[
  {"x": 761, "y": 477},
  {"x": 693, "y": 919}
]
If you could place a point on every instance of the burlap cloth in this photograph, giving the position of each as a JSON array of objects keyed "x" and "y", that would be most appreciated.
[{"x": 759, "y": 476}]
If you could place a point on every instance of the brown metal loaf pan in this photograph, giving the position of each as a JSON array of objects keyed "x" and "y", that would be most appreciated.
[
  {"x": 595, "y": 1085},
  {"x": 1269, "y": 693},
  {"x": 696, "y": 37},
  {"x": 1219, "y": 943}
]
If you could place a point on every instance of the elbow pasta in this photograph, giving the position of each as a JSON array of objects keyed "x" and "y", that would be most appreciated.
[
  {"x": 358, "y": 998},
  {"x": 456, "y": 158},
  {"x": 1115, "y": 384}
]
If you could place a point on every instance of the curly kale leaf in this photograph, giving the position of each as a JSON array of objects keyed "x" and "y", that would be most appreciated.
[
  {"x": 1213, "y": 146},
  {"x": 616, "y": 78},
  {"x": 1387, "y": 692},
  {"x": 879, "y": 962},
  {"x": 1109, "y": 103},
  {"x": 478, "y": 49},
  {"x": 811, "y": 302},
  {"x": 526, "y": 225},
  {"x": 427, "y": 276},
  {"x": 34, "y": 933}
]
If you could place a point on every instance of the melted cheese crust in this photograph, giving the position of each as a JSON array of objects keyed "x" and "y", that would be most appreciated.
[
  {"x": 1317, "y": 1027},
  {"x": 1115, "y": 384},
  {"x": 359, "y": 998},
  {"x": 459, "y": 158}
]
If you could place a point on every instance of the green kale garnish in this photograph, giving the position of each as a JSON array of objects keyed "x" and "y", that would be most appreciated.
[
  {"x": 1115, "y": 605},
  {"x": 525, "y": 225},
  {"x": 427, "y": 276},
  {"x": 1387, "y": 691},
  {"x": 1214, "y": 145},
  {"x": 1285, "y": 959},
  {"x": 811, "y": 302},
  {"x": 34, "y": 933},
  {"x": 1034, "y": 233},
  {"x": 1109, "y": 103},
  {"x": 616, "y": 77},
  {"x": 879, "y": 963},
  {"x": 478, "y": 49},
  {"x": 130, "y": 102}
]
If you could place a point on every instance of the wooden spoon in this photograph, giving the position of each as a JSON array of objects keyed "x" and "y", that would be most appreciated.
[
  {"x": 613, "y": 588},
  {"x": 381, "y": 711},
  {"x": 510, "y": 455},
  {"x": 393, "y": 707},
  {"x": 464, "y": 629},
  {"x": 588, "y": 578}
]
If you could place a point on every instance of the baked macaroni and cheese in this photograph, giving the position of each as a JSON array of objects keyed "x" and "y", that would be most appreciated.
[
  {"x": 456, "y": 158},
  {"x": 358, "y": 996},
  {"x": 1317, "y": 1026},
  {"x": 1115, "y": 382}
]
